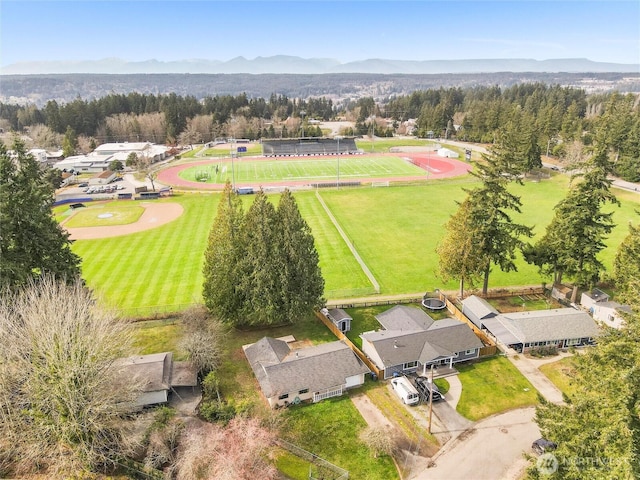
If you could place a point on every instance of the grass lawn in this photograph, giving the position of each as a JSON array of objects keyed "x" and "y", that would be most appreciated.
[
  {"x": 442, "y": 385},
  {"x": 492, "y": 386},
  {"x": 154, "y": 270},
  {"x": 562, "y": 373},
  {"x": 105, "y": 214},
  {"x": 518, "y": 304},
  {"x": 364, "y": 321},
  {"x": 395, "y": 230},
  {"x": 342, "y": 273},
  {"x": 159, "y": 336},
  {"x": 349, "y": 168},
  {"x": 331, "y": 429}
]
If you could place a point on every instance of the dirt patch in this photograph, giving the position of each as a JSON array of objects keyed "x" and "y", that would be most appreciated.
[
  {"x": 154, "y": 216},
  {"x": 300, "y": 344}
]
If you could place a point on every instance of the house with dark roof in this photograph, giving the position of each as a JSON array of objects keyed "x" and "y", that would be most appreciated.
[
  {"x": 477, "y": 309},
  {"x": 559, "y": 327},
  {"x": 410, "y": 340},
  {"x": 287, "y": 375},
  {"x": 157, "y": 375}
]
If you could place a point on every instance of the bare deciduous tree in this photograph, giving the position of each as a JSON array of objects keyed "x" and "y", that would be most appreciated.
[
  {"x": 380, "y": 440},
  {"x": 236, "y": 452},
  {"x": 44, "y": 137},
  {"x": 203, "y": 338},
  {"x": 61, "y": 397}
]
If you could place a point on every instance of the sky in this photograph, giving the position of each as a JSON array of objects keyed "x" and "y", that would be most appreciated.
[{"x": 605, "y": 31}]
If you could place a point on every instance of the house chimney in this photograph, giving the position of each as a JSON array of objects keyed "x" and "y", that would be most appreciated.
[{"x": 395, "y": 344}]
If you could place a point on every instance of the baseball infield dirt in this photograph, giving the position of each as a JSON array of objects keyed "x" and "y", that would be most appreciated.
[{"x": 154, "y": 215}]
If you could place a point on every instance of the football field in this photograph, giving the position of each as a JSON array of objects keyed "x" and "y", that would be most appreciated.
[{"x": 319, "y": 169}]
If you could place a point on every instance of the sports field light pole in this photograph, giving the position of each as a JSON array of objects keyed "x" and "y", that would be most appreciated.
[
  {"x": 233, "y": 172},
  {"x": 338, "y": 137}
]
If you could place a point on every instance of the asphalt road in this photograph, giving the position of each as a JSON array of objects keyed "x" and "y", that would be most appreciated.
[{"x": 491, "y": 449}]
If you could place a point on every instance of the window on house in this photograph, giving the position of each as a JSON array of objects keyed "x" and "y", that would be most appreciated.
[
  {"x": 283, "y": 396},
  {"x": 306, "y": 390},
  {"x": 470, "y": 352},
  {"x": 409, "y": 365},
  {"x": 573, "y": 341}
]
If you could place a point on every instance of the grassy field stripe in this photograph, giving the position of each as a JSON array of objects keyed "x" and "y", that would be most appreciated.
[{"x": 363, "y": 265}]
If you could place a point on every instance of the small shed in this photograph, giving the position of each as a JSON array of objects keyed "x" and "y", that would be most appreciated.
[{"x": 340, "y": 318}]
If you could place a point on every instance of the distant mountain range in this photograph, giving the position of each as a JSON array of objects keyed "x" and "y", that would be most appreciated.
[{"x": 283, "y": 64}]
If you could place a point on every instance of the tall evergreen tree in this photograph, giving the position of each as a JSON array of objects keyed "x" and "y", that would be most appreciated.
[
  {"x": 459, "y": 253},
  {"x": 69, "y": 143},
  {"x": 261, "y": 265},
  {"x": 224, "y": 250},
  {"x": 32, "y": 243},
  {"x": 498, "y": 237},
  {"x": 301, "y": 278},
  {"x": 261, "y": 268},
  {"x": 576, "y": 234},
  {"x": 598, "y": 430},
  {"x": 516, "y": 144},
  {"x": 626, "y": 265}
]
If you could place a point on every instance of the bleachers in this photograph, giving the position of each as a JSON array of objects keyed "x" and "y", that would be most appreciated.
[{"x": 308, "y": 146}]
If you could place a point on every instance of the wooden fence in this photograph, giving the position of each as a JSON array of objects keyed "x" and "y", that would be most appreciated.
[
  {"x": 350, "y": 344},
  {"x": 513, "y": 293}
]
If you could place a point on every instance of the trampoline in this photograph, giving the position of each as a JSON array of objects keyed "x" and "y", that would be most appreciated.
[{"x": 433, "y": 303}]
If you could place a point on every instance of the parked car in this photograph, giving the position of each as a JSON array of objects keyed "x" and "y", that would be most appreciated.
[
  {"x": 543, "y": 445},
  {"x": 405, "y": 390},
  {"x": 425, "y": 387},
  {"x": 83, "y": 184}
]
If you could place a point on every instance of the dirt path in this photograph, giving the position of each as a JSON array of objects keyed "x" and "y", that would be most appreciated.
[{"x": 154, "y": 216}]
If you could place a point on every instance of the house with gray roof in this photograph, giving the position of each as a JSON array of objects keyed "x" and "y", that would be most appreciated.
[
  {"x": 287, "y": 375},
  {"x": 410, "y": 340},
  {"x": 559, "y": 327},
  {"x": 477, "y": 309},
  {"x": 157, "y": 375}
]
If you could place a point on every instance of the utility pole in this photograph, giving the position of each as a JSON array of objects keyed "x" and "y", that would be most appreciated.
[{"x": 431, "y": 399}]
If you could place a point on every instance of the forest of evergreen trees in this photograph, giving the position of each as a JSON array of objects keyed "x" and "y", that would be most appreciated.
[{"x": 556, "y": 115}]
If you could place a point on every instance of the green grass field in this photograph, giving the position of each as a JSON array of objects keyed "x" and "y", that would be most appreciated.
[
  {"x": 98, "y": 214},
  {"x": 395, "y": 230},
  {"x": 491, "y": 386},
  {"x": 563, "y": 375},
  {"x": 348, "y": 167},
  {"x": 160, "y": 267}
]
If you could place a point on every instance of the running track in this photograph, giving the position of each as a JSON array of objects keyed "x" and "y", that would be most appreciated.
[{"x": 437, "y": 168}]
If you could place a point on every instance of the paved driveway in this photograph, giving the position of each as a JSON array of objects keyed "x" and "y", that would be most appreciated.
[
  {"x": 530, "y": 368},
  {"x": 492, "y": 449}
]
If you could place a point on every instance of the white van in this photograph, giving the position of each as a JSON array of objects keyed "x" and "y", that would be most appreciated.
[{"x": 405, "y": 390}]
